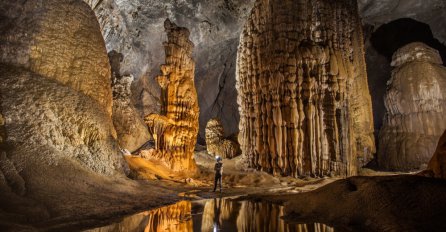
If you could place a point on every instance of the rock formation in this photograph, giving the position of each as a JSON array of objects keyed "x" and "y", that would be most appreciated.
[
  {"x": 55, "y": 95},
  {"x": 217, "y": 143},
  {"x": 130, "y": 128},
  {"x": 305, "y": 107},
  {"x": 415, "y": 103},
  {"x": 175, "y": 128}
]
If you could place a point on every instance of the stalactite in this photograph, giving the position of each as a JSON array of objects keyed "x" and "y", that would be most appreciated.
[
  {"x": 175, "y": 129},
  {"x": 416, "y": 102},
  {"x": 217, "y": 143},
  {"x": 305, "y": 107}
]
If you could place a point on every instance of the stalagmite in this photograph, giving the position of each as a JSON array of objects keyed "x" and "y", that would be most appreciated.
[
  {"x": 416, "y": 104},
  {"x": 175, "y": 128},
  {"x": 217, "y": 144},
  {"x": 305, "y": 107}
]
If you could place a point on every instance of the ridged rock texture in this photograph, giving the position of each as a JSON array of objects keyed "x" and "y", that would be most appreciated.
[
  {"x": 437, "y": 164},
  {"x": 416, "y": 103},
  {"x": 304, "y": 102},
  {"x": 55, "y": 93},
  {"x": 130, "y": 128},
  {"x": 217, "y": 143},
  {"x": 175, "y": 129}
]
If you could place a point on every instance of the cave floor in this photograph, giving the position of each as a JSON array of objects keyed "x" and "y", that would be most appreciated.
[{"x": 93, "y": 201}]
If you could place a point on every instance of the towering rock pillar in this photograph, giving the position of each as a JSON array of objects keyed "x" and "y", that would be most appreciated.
[
  {"x": 416, "y": 103},
  {"x": 305, "y": 107},
  {"x": 175, "y": 129}
]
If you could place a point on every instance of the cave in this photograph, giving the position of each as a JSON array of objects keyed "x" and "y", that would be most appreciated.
[{"x": 224, "y": 115}]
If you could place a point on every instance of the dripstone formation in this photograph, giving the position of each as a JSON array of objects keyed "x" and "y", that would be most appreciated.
[
  {"x": 175, "y": 128},
  {"x": 305, "y": 107},
  {"x": 416, "y": 104},
  {"x": 217, "y": 143}
]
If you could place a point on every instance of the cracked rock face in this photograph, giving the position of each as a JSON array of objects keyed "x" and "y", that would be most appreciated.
[
  {"x": 416, "y": 104},
  {"x": 305, "y": 107},
  {"x": 55, "y": 93}
]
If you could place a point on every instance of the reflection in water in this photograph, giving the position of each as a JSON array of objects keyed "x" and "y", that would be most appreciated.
[{"x": 213, "y": 215}]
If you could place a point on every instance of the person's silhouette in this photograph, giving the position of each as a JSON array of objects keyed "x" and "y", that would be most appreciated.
[{"x": 218, "y": 172}]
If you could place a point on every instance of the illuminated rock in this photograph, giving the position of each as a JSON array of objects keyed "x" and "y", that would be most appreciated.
[
  {"x": 416, "y": 104},
  {"x": 175, "y": 128},
  {"x": 305, "y": 107},
  {"x": 55, "y": 94},
  {"x": 217, "y": 144},
  {"x": 62, "y": 45}
]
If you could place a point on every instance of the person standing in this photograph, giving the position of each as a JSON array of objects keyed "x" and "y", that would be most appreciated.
[{"x": 218, "y": 172}]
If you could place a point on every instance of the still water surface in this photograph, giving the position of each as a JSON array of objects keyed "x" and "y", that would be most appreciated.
[{"x": 213, "y": 215}]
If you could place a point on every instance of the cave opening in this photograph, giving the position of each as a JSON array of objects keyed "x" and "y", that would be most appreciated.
[{"x": 391, "y": 36}]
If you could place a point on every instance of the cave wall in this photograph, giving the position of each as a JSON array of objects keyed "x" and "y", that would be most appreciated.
[
  {"x": 415, "y": 103},
  {"x": 55, "y": 93},
  {"x": 305, "y": 107}
]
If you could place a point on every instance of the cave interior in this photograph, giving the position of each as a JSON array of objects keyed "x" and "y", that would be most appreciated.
[{"x": 311, "y": 115}]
